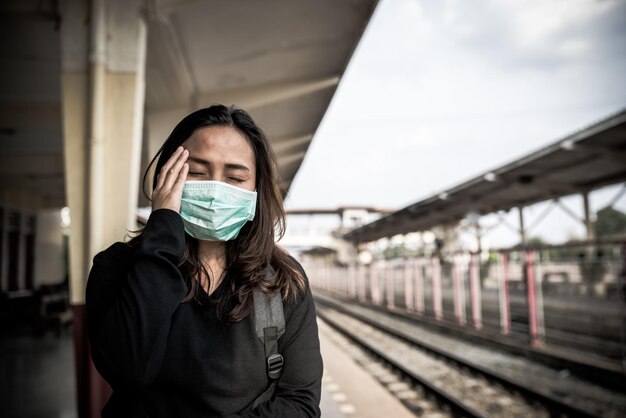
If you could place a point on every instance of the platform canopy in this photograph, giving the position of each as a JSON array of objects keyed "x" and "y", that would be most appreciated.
[
  {"x": 585, "y": 160},
  {"x": 281, "y": 60}
]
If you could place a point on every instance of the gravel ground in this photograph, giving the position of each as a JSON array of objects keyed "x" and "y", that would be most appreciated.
[
  {"x": 481, "y": 395},
  {"x": 559, "y": 383}
]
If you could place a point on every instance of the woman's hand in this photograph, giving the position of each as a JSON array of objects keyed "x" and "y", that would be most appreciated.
[{"x": 169, "y": 187}]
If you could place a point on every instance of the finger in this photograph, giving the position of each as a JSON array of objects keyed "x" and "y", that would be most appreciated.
[
  {"x": 173, "y": 172},
  {"x": 166, "y": 167},
  {"x": 180, "y": 180}
]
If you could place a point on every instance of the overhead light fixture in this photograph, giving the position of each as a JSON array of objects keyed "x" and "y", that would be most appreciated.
[
  {"x": 490, "y": 176},
  {"x": 568, "y": 145}
]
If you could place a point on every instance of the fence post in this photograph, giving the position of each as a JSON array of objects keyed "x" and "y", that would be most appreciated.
[
  {"x": 436, "y": 270},
  {"x": 534, "y": 302},
  {"x": 409, "y": 302},
  {"x": 374, "y": 288},
  {"x": 351, "y": 281},
  {"x": 458, "y": 288},
  {"x": 475, "y": 293},
  {"x": 419, "y": 286},
  {"x": 360, "y": 273},
  {"x": 389, "y": 276},
  {"x": 503, "y": 293}
]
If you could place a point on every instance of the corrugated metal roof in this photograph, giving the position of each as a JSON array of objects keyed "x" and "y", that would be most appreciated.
[{"x": 585, "y": 160}]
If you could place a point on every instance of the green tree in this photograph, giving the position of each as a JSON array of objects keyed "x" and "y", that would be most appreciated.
[
  {"x": 609, "y": 222},
  {"x": 536, "y": 241}
]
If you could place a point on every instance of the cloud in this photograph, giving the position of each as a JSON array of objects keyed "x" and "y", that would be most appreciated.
[
  {"x": 440, "y": 91},
  {"x": 537, "y": 33}
]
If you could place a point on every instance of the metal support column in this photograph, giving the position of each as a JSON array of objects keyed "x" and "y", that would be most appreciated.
[
  {"x": 522, "y": 228},
  {"x": 587, "y": 220}
]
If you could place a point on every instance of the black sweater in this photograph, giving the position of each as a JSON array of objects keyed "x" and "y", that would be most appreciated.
[{"x": 167, "y": 359}]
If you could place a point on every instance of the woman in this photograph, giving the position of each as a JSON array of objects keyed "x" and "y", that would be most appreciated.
[{"x": 170, "y": 313}]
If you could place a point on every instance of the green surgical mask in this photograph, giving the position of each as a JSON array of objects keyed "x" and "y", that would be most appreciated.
[{"x": 216, "y": 211}]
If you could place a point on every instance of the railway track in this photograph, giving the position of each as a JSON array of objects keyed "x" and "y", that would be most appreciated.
[{"x": 463, "y": 388}]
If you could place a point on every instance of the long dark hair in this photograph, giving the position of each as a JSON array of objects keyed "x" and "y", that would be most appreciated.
[{"x": 250, "y": 255}]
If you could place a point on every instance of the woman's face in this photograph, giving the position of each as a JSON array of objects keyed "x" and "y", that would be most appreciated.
[{"x": 221, "y": 153}]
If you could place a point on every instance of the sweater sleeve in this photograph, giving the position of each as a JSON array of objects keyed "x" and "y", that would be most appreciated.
[
  {"x": 129, "y": 308},
  {"x": 298, "y": 390}
]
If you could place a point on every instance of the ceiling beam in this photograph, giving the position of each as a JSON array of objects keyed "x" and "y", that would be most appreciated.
[
  {"x": 284, "y": 145},
  {"x": 168, "y": 46},
  {"x": 285, "y": 160},
  {"x": 260, "y": 95}
]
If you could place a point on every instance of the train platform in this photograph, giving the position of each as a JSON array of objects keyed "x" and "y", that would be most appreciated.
[
  {"x": 39, "y": 379},
  {"x": 348, "y": 391}
]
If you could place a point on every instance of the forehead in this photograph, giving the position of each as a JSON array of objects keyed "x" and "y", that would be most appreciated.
[{"x": 220, "y": 143}]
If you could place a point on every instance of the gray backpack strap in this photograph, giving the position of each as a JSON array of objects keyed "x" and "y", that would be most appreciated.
[
  {"x": 268, "y": 312},
  {"x": 269, "y": 323}
]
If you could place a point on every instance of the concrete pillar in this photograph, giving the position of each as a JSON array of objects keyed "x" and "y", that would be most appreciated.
[
  {"x": 75, "y": 105},
  {"x": 103, "y": 46},
  {"x": 103, "y": 98}
]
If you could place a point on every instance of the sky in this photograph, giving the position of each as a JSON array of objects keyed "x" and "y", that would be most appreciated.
[{"x": 438, "y": 92}]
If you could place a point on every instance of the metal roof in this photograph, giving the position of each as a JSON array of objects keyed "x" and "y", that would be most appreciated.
[
  {"x": 585, "y": 160},
  {"x": 280, "y": 60}
]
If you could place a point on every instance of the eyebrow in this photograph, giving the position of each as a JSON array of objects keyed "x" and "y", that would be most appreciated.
[{"x": 232, "y": 166}]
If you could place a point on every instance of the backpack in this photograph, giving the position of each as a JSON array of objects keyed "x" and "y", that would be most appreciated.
[{"x": 269, "y": 323}]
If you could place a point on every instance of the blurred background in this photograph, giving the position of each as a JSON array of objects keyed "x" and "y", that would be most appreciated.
[{"x": 454, "y": 175}]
